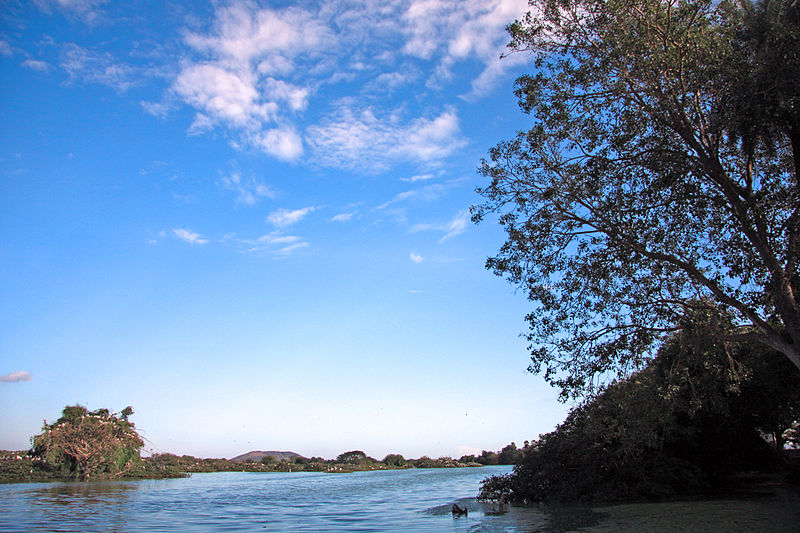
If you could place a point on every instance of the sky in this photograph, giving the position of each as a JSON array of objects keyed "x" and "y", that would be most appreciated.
[{"x": 250, "y": 222}]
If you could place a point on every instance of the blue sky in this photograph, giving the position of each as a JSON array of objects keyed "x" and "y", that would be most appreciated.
[{"x": 250, "y": 222}]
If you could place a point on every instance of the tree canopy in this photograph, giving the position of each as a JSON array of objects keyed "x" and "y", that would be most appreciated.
[
  {"x": 87, "y": 444},
  {"x": 659, "y": 177}
]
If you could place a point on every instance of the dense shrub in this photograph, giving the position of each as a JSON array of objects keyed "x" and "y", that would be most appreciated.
[
  {"x": 88, "y": 444},
  {"x": 696, "y": 414}
]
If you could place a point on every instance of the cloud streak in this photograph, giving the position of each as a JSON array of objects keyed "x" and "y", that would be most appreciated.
[
  {"x": 276, "y": 244},
  {"x": 189, "y": 236},
  {"x": 456, "y": 226},
  {"x": 286, "y": 217}
]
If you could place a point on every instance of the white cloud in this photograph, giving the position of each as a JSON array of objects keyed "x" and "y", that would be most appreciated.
[
  {"x": 5, "y": 49},
  {"x": 277, "y": 238},
  {"x": 458, "y": 30},
  {"x": 243, "y": 34},
  {"x": 418, "y": 177},
  {"x": 189, "y": 236},
  {"x": 454, "y": 227},
  {"x": 16, "y": 377},
  {"x": 34, "y": 64},
  {"x": 255, "y": 69},
  {"x": 393, "y": 80},
  {"x": 157, "y": 109},
  {"x": 415, "y": 257},
  {"x": 358, "y": 138},
  {"x": 283, "y": 143},
  {"x": 249, "y": 192},
  {"x": 289, "y": 250},
  {"x": 344, "y": 217},
  {"x": 236, "y": 84},
  {"x": 286, "y": 217},
  {"x": 457, "y": 226},
  {"x": 296, "y": 97},
  {"x": 276, "y": 244},
  {"x": 432, "y": 139},
  {"x": 223, "y": 95}
]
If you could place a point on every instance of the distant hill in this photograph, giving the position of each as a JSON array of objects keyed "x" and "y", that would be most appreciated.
[{"x": 258, "y": 455}]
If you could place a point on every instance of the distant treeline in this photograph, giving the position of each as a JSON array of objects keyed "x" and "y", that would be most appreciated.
[
  {"x": 91, "y": 445},
  {"x": 351, "y": 461},
  {"x": 28, "y": 466}
]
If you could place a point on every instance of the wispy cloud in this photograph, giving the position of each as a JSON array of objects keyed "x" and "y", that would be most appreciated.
[
  {"x": 88, "y": 66},
  {"x": 249, "y": 191},
  {"x": 33, "y": 64},
  {"x": 426, "y": 193},
  {"x": 362, "y": 138},
  {"x": 89, "y": 10},
  {"x": 287, "y": 217},
  {"x": 456, "y": 30},
  {"x": 276, "y": 244},
  {"x": 189, "y": 236},
  {"x": 456, "y": 226},
  {"x": 418, "y": 177},
  {"x": 16, "y": 377},
  {"x": 286, "y": 251},
  {"x": 344, "y": 217},
  {"x": 416, "y": 258}
]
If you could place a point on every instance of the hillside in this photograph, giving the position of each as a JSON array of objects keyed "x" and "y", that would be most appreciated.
[{"x": 258, "y": 455}]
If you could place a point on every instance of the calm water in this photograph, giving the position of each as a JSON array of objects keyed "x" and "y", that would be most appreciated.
[{"x": 399, "y": 500}]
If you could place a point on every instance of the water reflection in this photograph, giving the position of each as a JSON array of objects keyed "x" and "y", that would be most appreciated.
[
  {"x": 85, "y": 493},
  {"x": 75, "y": 506}
]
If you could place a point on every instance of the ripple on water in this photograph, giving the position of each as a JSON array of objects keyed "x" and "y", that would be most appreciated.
[{"x": 402, "y": 500}]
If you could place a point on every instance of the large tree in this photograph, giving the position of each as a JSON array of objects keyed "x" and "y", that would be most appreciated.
[{"x": 659, "y": 177}]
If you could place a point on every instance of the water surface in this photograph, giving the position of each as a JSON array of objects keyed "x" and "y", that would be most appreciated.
[{"x": 396, "y": 500}]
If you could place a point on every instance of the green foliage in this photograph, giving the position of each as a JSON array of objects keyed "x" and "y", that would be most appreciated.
[
  {"x": 87, "y": 444},
  {"x": 692, "y": 417},
  {"x": 509, "y": 455},
  {"x": 394, "y": 459},
  {"x": 352, "y": 457},
  {"x": 488, "y": 458},
  {"x": 659, "y": 177}
]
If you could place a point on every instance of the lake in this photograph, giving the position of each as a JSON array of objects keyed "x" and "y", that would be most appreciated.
[{"x": 390, "y": 500}]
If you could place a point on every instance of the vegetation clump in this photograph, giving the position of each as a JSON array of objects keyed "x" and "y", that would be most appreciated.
[
  {"x": 699, "y": 415},
  {"x": 84, "y": 445},
  {"x": 89, "y": 444}
]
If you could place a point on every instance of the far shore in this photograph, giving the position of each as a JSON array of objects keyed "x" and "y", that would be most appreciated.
[{"x": 24, "y": 467}]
